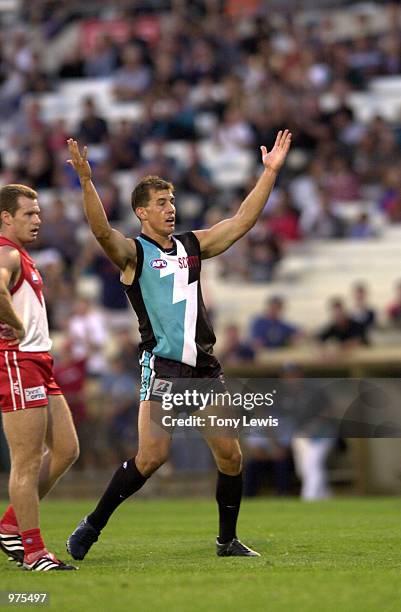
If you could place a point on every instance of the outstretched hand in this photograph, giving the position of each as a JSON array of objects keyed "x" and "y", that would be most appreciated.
[
  {"x": 79, "y": 161},
  {"x": 276, "y": 157}
]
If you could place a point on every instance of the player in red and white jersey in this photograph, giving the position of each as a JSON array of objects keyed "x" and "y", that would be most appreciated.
[{"x": 36, "y": 418}]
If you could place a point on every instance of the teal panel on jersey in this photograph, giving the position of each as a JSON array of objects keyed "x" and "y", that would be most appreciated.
[{"x": 167, "y": 319}]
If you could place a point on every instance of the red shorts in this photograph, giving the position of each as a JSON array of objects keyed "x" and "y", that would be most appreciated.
[{"x": 26, "y": 379}]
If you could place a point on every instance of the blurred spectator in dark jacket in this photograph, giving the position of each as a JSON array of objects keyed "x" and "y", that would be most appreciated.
[
  {"x": 124, "y": 146},
  {"x": 92, "y": 128},
  {"x": 361, "y": 310},
  {"x": 72, "y": 64},
  {"x": 112, "y": 298},
  {"x": 38, "y": 166},
  {"x": 342, "y": 328},
  {"x": 270, "y": 330}
]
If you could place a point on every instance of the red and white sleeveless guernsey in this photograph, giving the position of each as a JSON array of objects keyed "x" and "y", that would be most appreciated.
[{"x": 26, "y": 369}]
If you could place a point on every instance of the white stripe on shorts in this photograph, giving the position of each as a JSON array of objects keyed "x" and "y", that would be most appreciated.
[
  {"x": 21, "y": 390},
  {"x": 10, "y": 378}
]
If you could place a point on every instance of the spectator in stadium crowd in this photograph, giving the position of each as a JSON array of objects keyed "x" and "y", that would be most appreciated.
[
  {"x": 134, "y": 77},
  {"x": 88, "y": 335},
  {"x": 324, "y": 223},
  {"x": 103, "y": 59},
  {"x": 196, "y": 178},
  {"x": 127, "y": 348},
  {"x": 392, "y": 204},
  {"x": 361, "y": 311},
  {"x": 262, "y": 257},
  {"x": 362, "y": 228},
  {"x": 92, "y": 128},
  {"x": 267, "y": 461},
  {"x": 342, "y": 328},
  {"x": 59, "y": 232},
  {"x": 234, "y": 350},
  {"x": 58, "y": 290},
  {"x": 268, "y": 451},
  {"x": 108, "y": 189},
  {"x": 119, "y": 398},
  {"x": 58, "y": 135},
  {"x": 72, "y": 65},
  {"x": 314, "y": 434},
  {"x": 341, "y": 182},
  {"x": 160, "y": 163},
  {"x": 270, "y": 331},
  {"x": 112, "y": 299},
  {"x": 283, "y": 219},
  {"x": 124, "y": 146}
]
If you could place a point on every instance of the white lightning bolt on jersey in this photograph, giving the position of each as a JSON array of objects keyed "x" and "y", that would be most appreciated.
[{"x": 182, "y": 290}]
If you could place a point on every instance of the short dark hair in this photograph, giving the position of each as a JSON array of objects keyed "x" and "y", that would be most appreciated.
[
  {"x": 141, "y": 193},
  {"x": 9, "y": 195},
  {"x": 275, "y": 300}
]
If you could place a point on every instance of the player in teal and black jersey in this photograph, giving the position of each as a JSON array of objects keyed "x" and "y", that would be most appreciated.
[{"x": 160, "y": 272}]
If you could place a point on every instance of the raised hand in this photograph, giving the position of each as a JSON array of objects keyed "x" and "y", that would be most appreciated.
[
  {"x": 79, "y": 161},
  {"x": 275, "y": 158}
]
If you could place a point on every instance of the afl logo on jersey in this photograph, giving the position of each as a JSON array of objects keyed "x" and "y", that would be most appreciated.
[
  {"x": 35, "y": 277},
  {"x": 158, "y": 264}
]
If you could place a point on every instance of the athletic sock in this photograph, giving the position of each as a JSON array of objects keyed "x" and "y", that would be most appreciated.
[
  {"x": 228, "y": 497},
  {"x": 8, "y": 521},
  {"x": 33, "y": 543},
  {"x": 126, "y": 481}
]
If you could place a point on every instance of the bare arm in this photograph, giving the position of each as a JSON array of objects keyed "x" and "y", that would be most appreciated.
[
  {"x": 9, "y": 271},
  {"x": 221, "y": 236},
  {"x": 121, "y": 250}
]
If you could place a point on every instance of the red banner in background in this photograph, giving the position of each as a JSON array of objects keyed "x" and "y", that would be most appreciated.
[
  {"x": 239, "y": 8},
  {"x": 120, "y": 30}
]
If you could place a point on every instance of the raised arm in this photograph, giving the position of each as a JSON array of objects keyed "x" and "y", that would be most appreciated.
[
  {"x": 11, "y": 326},
  {"x": 121, "y": 250},
  {"x": 221, "y": 236}
]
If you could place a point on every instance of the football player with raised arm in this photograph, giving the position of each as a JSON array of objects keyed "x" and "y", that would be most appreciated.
[{"x": 160, "y": 272}]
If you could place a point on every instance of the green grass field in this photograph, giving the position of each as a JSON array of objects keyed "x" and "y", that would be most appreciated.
[{"x": 336, "y": 555}]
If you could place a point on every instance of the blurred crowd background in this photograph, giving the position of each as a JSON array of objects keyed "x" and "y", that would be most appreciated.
[{"x": 190, "y": 91}]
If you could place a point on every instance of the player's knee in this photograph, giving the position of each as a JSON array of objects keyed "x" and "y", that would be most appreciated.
[
  {"x": 148, "y": 464},
  {"x": 231, "y": 461},
  {"x": 66, "y": 455}
]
